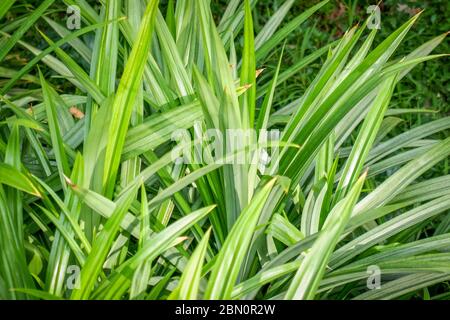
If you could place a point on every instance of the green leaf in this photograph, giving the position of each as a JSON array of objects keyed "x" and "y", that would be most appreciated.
[
  {"x": 228, "y": 262},
  {"x": 102, "y": 244},
  {"x": 16, "y": 179},
  {"x": 188, "y": 287},
  {"x": 9, "y": 44},
  {"x": 125, "y": 97},
  {"x": 50, "y": 99},
  {"x": 308, "y": 276}
]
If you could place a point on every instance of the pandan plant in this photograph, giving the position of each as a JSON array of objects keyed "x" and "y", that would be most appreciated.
[{"x": 117, "y": 179}]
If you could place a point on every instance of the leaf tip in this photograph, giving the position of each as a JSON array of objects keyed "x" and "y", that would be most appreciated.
[{"x": 69, "y": 181}]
